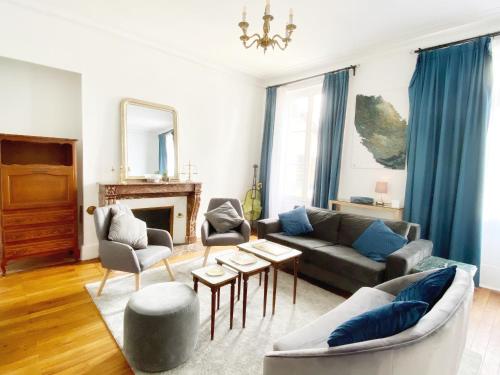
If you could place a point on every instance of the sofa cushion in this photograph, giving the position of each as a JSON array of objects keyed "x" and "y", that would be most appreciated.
[
  {"x": 429, "y": 289},
  {"x": 352, "y": 226},
  {"x": 229, "y": 238},
  {"x": 295, "y": 222},
  {"x": 302, "y": 243},
  {"x": 347, "y": 262},
  {"x": 378, "y": 241},
  {"x": 383, "y": 321},
  {"x": 315, "y": 334},
  {"x": 325, "y": 224},
  {"x": 151, "y": 255}
]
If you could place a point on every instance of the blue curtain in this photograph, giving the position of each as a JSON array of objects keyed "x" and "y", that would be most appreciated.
[
  {"x": 162, "y": 153},
  {"x": 267, "y": 148},
  {"x": 449, "y": 109},
  {"x": 331, "y": 134}
]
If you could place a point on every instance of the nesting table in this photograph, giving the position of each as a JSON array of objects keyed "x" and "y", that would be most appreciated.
[
  {"x": 215, "y": 283},
  {"x": 245, "y": 271},
  {"x": 276, "y": 261}
]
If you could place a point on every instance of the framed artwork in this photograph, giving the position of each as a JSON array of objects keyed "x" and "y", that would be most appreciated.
[{"x": 379, "y": 134}]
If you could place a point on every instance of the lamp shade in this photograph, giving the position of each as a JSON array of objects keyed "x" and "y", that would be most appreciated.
[{"x": 381, "y": 187}]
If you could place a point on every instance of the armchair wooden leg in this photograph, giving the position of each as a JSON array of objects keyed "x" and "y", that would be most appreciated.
[
  {"x": 169, "y": 269},
  {"x": 137, "y": 281},
  {"x": 207, "y": 253},
  {"x": 103, "y": 282}
]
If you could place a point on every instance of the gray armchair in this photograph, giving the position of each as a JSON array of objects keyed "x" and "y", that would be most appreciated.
[
  {"x": 117, "y": 256},
  {"x": 209, "y": 237}
]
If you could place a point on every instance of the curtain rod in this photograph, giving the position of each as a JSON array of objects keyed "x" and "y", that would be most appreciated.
[
  {"x": 497, "y": 33},
  {"x": 353, "y": 67}
]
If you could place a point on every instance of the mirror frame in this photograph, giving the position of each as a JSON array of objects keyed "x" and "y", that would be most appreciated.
[{"x": 124, "y": 169}]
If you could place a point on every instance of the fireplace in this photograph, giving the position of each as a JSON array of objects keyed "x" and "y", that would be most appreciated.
[
  {"x": 157, "y": 217},
  {"x": 184, "y": 196}
]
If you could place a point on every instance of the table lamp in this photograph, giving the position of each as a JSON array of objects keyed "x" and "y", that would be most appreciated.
[{"x": 380, "y": 188}]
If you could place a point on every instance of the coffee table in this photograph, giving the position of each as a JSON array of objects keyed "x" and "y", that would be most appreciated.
[
  {"x": 246, "y": 271},
  {"x": 276, "y": 261},
  {"x": 215, "y": 283}
]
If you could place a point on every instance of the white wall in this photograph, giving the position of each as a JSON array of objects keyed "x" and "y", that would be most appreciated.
[
  {"x": 220, "y": 113},
  {"x": 43, "y": 101},
  {"x": 388, "y": 75}
]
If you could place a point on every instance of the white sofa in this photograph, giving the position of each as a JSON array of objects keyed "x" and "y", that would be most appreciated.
[{"x": 433, "y": 346}]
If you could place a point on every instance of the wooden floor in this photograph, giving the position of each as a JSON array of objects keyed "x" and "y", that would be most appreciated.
[{"x": 49, "y": 325}]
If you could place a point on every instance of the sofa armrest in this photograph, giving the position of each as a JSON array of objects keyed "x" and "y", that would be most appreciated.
[
  {"x": 118, "y": 257},
  {"x": 403, "y": 260},
  {"x": 205, "y": 232},
  {"x": 160, "y": 237},
  {"x": 266, "y": 226},
  {"x": 245, "y": 230}
]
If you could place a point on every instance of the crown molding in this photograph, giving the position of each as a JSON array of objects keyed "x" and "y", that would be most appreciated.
[
  {"x": 486, "y": 24},
  {"x": 249, "y": 76}
]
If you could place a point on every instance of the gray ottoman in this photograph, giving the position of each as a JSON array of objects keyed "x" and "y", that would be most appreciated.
[{"x": 161, "y": 326}]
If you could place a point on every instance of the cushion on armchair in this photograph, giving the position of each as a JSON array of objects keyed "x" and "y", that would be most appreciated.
[
  {"x": 126, "y": 228},
  {"x": 383, "y": 321},
  {"x": 224, "y": 218},
  {"x": 431, "y": 288}
]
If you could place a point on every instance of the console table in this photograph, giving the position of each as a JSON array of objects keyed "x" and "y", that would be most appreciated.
[
  {"x": 110, "y": 193},
  {"x": 396, "y": 213}
]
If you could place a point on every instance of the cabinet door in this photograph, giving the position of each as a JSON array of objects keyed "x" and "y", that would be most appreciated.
[{"x": 37, "y": 186}]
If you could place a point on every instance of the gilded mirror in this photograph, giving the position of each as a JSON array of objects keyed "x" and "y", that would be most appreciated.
[{"x": 149, "y": 141}]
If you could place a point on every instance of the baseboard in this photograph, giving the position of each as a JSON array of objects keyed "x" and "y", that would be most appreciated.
[
  {"x": 490, "y": 277},
  {"x": 89, "y": 251}
]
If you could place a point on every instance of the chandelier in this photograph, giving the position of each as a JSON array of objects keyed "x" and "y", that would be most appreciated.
[{"x": 265, "y": 41}]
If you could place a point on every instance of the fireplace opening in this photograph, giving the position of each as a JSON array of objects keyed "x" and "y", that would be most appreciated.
[{"x": 157, "y": 217}]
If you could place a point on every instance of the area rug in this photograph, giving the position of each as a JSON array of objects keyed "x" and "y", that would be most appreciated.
[{"x": 236, "y": 351}]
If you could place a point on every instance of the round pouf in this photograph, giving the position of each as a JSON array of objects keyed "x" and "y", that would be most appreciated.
[{"x": 161, "y": 325}]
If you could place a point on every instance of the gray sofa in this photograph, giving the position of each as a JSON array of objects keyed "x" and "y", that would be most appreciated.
[
  {"x": 434, "y": 346},
  {"x": 329, "y": 258}
]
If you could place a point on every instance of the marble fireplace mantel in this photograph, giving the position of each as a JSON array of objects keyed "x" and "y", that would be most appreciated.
[{"x": 110, "y": 193}]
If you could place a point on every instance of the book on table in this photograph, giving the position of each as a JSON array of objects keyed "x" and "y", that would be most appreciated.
[{"x": 271, "y": 248}]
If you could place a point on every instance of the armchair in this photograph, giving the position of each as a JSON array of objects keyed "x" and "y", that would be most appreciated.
[
  {"x": 117, "y": 256},
  {"x": 210, "y": 238}
]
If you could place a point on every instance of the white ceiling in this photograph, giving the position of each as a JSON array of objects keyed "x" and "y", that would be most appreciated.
[{"x": 327, "y": 30}]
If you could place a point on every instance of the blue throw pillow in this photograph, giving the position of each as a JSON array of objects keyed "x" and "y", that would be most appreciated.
[
  {"x": 378, "y": 241},
  {"x": 429, "y": 289},
  {"x": 383, "y": 321},
  {"x": 295, "y": 222}
]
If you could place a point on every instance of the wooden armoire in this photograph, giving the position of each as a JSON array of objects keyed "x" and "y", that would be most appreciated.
[{"x": 38, "y": 197}]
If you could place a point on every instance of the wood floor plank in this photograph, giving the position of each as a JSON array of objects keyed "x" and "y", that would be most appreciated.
[{"x": 50, "y": 325}]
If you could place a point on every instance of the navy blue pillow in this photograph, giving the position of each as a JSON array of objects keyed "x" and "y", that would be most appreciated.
[
  {"x": 429, "y": 289},
  {"x": 295, "y": 222},
  {"x": 383, "y": 321},
  {"x": 378, "y": 241}
]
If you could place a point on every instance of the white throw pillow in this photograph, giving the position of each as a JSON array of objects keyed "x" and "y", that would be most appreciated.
[{"x": 126, "y": 228}]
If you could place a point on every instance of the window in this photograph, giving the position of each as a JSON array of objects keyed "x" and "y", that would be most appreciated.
[
  {"x": 295, "y": 146},
  {"x": 491, "y": 209}
]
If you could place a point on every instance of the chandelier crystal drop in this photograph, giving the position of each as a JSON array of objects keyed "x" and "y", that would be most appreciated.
[{"x": 265, "y": 41}]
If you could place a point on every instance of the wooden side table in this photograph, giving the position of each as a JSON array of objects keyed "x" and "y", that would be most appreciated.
[
  {"x": 247, "y": 271},
  {"x": 215, "y": 283},
  {"x": 292, "y": 255}
]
